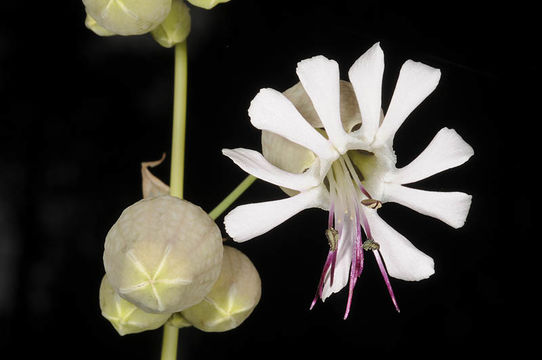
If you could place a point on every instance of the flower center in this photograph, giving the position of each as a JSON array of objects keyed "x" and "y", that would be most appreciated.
[{"x": 349, "y": 233}]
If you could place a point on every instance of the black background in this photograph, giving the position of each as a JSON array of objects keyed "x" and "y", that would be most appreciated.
[{"x": 79, "y": 113}]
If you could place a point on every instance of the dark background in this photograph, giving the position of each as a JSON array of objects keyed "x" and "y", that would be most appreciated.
[{"x": 78, "y": 113}]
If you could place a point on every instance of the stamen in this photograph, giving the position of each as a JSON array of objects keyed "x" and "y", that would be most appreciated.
[
  {"x": 370, "y": 244},
  {"x": 351, "y": 285},
  {"x": 331, "y": 213},
  {"x": 384, "y": 273},
  {"x": 366, "y": 226},
  {"x": 332, "y": 236},
  {"x": 347, "y": 223},
  {"x": 355, "y": 176},
  {"x": 336, "y": 199},
  {"x": 333, "y": 240},
  {"x": 372, "y": 203},
  {"x": 332, "y": 271},
  {"x": 331, "y": 257},
  {"x": 356, "y": 265},
  {"x": 359, "y": 244},
  {"x": 348, "y": 182}
]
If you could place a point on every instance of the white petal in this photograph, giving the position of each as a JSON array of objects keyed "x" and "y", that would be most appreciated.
[
  {"x": 272, "y": 111},
  {"x": 248, "y": 221},
  {"x": 321, "y": 80},
  {"x": 416, "y": 81},
  {"x": 403, "y": 261},
  {"x": 445, "y": 151},
  {"x": 450, "y": 207},
  {"x": 255, "y": 164},
  {"x": 366, "y": 78},
  {"x": 342, "y": 264}
]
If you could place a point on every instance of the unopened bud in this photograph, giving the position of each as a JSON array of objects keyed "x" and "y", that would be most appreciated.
[
  {"x": 206, "y": 4},
  {"x": 163, "y": 254},
  {"x": 128, "y": 17},
  {"x": 233, "y": 297},
  {"x": 125, "y": 317},
  {"x": 176, "y": 26},
  {"x": 92, "y": 25}
]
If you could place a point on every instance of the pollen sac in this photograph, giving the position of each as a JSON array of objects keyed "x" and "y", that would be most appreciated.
[
  {"x": 371, "y": 245},
  {"x": 233, "y": 297},
  {"x": 206, "y": 4},
  {"x": 372, "y": 203},
  {"x": 175, "y": 28},
  {"x": 163, "y": 254},
  {"x": 128, "y": 17},
  {"x": 125, "y": 317}
]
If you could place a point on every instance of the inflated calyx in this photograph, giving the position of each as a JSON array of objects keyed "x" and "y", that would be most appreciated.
[{"x": 163, "y": 254}]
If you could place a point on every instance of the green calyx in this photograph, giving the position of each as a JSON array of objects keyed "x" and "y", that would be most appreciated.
[
  {"x": 92, "y": 25},
  {"x": 125, "y": 317},
  {"x": 233, "y": 297},
  {"x": 206, "y": 4},
  {"x": 163, "y": 254},
  {"x": 175, "y": 28},
  {"x": 127, "y": 17}
]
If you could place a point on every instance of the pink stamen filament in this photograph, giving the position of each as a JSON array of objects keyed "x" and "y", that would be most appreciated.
[
  {"x": 352, "y": 197},
  {"x": 330, "y": 261},
  {"x": 384, "y": 273},
  {"x": 352, "y": 171}
]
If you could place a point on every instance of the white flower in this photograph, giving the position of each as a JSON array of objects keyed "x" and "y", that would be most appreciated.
[{"x": 349, "y": 170}]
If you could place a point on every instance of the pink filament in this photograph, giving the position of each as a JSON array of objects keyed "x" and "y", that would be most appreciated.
[
  {"x": 385, "y": 276},
  {"x": 330, "y": 262}
]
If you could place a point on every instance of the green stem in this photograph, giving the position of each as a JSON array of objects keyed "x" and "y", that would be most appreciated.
[
  {"x": 224, "y": 204},
  {"x": 179, "y": 121},
  {"x": 171, "y": 333},
  {"x": 170, "y": 342}
]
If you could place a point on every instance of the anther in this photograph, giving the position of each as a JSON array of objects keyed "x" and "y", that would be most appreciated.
[
  {"x": 372, "y": 203},
  {"x": 332, "y": 236},
  {"x": 370, "y": 244}
]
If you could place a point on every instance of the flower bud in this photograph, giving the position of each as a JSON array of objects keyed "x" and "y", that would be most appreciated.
[
  {"x": 206, "y": 4},
  {"x": 128, "y": 17},
  {"x": 176, "y": 26},
  {"x": 163, "y": 254},
  {"x": 92, "y": 25},
  {"x": 233, "y": 297},
  {"x": 125, "y": 317}
]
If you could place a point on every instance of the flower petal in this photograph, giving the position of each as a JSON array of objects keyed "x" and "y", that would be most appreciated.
[
  {"x": 255, "y": 164},
  {"x": 450, "y": 207},
  {"x": 366, "y": 78},
  {"x": 321, "y": 80},
  {"x": 272, "y": 111},
  {"x": 248, "y": 221},
  {"x": 445, "y": 151},
  {"x": 403, "y": 261},
  {"x": 416, "y": 81}
]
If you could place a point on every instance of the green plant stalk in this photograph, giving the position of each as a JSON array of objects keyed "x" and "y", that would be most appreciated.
[
  {"x": 171, "y": 333},
  {"x": 179, "y": 122},
  {"x": 170, "y": 342},
  {"x": 224, "y": 204}
]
